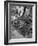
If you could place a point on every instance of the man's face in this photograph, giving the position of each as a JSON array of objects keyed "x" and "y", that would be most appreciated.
[{"x": 20, "y": 10}]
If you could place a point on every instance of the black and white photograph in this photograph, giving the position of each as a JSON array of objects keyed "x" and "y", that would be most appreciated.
[{"x": 20, "y": 22}]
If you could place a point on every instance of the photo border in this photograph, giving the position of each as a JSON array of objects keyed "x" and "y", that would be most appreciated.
[{"x": 6, "y": 19}]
